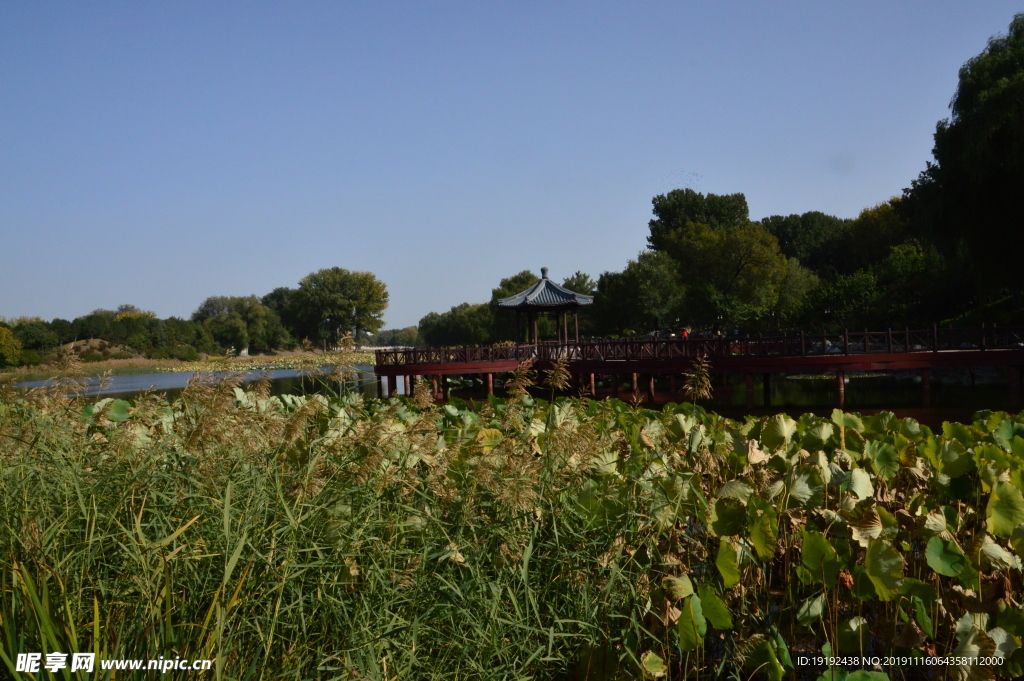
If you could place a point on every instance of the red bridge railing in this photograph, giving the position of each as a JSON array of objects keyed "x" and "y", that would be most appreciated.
[{"x": 800, "y": 344}]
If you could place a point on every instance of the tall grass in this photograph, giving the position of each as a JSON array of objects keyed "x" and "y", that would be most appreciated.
[{"x": 304, "y": 537}]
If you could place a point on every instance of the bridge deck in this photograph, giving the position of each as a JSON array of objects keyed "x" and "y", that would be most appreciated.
[{"x": 789, "y": 353}]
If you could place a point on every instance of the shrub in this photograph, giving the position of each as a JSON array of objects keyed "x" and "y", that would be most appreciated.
[{"x": 30, "y": 358}]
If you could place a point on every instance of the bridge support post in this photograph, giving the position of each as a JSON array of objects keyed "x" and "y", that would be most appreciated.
[
  {"x": 408, "y": 384},
  {"x": 750, "y": 391},
  {"x": 592, "y": 385},
  {"x": 434, "y": 390},
  {"x": 490, "y": 384},
  {"x": 615, "y": 385},
  {"x": 391, "y": 386},
  {"x": 673, "y": 388},
  {"x": 650, "y": 390},
  {"x": 766, "y": 388},
  {"x": 1014, "y": 388},
  {"x": 635, "y": 387},
  {"x": 444, "y": 387},
  {"x": 926, "y": 386},
  {"x": 380, "y": 386},
  {"x": 841, "y": 387}
]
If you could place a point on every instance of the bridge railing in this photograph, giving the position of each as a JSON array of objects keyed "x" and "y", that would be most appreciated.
[{"x": 803, "y": 344}]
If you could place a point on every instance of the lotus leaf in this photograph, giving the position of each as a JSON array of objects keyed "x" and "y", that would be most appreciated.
[
  {"x": 1005, "y": 509},
  {"x": 692, "y": 626},
  {"x": 884, "y": 566},
  {"x": 714, "y": 608}
]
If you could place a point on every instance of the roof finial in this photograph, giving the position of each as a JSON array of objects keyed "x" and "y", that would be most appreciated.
[{"x": 543, "y": 272}]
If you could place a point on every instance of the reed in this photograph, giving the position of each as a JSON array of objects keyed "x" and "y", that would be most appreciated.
[{"x": 302, "y": 537}]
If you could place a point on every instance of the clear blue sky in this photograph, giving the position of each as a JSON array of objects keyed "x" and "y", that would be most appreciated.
[{"x": 156, "y": 153}]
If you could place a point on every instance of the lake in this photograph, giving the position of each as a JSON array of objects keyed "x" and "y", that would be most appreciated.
[{"x": 955, "y": 394}]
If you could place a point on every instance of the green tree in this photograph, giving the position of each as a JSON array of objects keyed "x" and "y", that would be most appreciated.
[
  {"x": 580, "y": 282},
  {"x": 814, "y": 238},
  {"x": 503, "y": 322},
  {"x": 10, "y": 348},
  {"x": 646, "y": 295},
  {"x": 464, "y": 324},
  {"x": 263, "y": 328},
  {"x": 35, "y": 334},
  {"x": 334, "y": 300},
  {"x": 680, "y": 207},
  {"x": 970, "y": 198},
  {"x": 732, "y": 274}
]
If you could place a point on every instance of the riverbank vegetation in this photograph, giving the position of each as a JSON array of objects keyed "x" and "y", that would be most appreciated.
[
  {"x": 326, "y": 305},
  {"x": 337, "y": 537},
  {"x": 935, "y": 254}
]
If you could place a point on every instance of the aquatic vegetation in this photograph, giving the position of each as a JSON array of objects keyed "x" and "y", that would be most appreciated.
[{"x": 318, "y": 537}]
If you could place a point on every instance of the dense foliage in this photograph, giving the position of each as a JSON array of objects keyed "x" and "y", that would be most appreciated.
[{"x": 342, "y": 538}]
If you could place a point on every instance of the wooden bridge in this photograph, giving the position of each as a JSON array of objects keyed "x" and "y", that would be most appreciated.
[{"x": 790, "y": 353}]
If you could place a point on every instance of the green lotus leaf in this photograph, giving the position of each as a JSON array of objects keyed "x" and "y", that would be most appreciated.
[
  {"x": 954, "y": 459},
  {"x": 735, "y": 489},
  {"x": 763, "y": 658},
  {"x": 727, "y": 563},
  {"x": 884, "y": 458},
  {"x": 860, "y": 483},
  {"x": 692, "y": 626},
  {"x": 847, "y": 420},
  {"x": 763, "y": 521},
  {"x": 777, "y": 432},
  {"x": 853, "y": 635},
  {"x": 714, "y": 608},
  {"x": 811, "y": 610},
  {"x": 728, "y": 517},
  {"x": 1005, "y": 510},
  {"x": 819, "y": 557},
  {"x": 678, "y": 587},
  {"x": 652, "y": 665},
  {"x": 884, "y": 566},
  {"x": 863, "y": 587}
]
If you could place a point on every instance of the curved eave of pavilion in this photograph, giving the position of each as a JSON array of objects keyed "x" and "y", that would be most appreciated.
[{"x": 545, "y": 294}]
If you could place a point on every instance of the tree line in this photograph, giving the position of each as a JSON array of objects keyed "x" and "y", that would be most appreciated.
[
  {"x": 945, "y": 251},
  {"x": 325, "y": 304}
]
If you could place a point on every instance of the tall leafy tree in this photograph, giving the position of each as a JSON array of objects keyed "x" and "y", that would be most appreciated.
[
  {"x": 503, "y": 322},
  {"x": 673, "y": 211},
  {"x": 647, "y": 294},
  {"x": 334, "y": 300},
  {"x": 969, "y": 201}
]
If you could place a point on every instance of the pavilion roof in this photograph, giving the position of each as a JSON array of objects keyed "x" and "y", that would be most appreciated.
[{"x": 546, "y": 293}]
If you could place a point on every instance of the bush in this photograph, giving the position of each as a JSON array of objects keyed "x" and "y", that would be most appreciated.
[
  {"x": 30, "y": 358},
  {"x": 92, "y": 356}
]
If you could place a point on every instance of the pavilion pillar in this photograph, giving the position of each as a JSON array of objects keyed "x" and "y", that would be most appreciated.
[
  {"x": 650, "y": 389},
  {"x": 766, "y": 386},
  {"x": 841, "y": 387},
  {"x": 750, "y": 391},
  {"x": 490, "y": 384},
  {"x": 535, "y": 329},
  {"x": 576, "y": 323},
  {"x": 392, "y": 388},
  {"x": 926, "y": 386},
  {"x": 565, "y": 327}
]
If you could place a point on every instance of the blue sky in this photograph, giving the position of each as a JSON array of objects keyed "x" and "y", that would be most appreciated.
[{"x": 158, "y": 153}]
